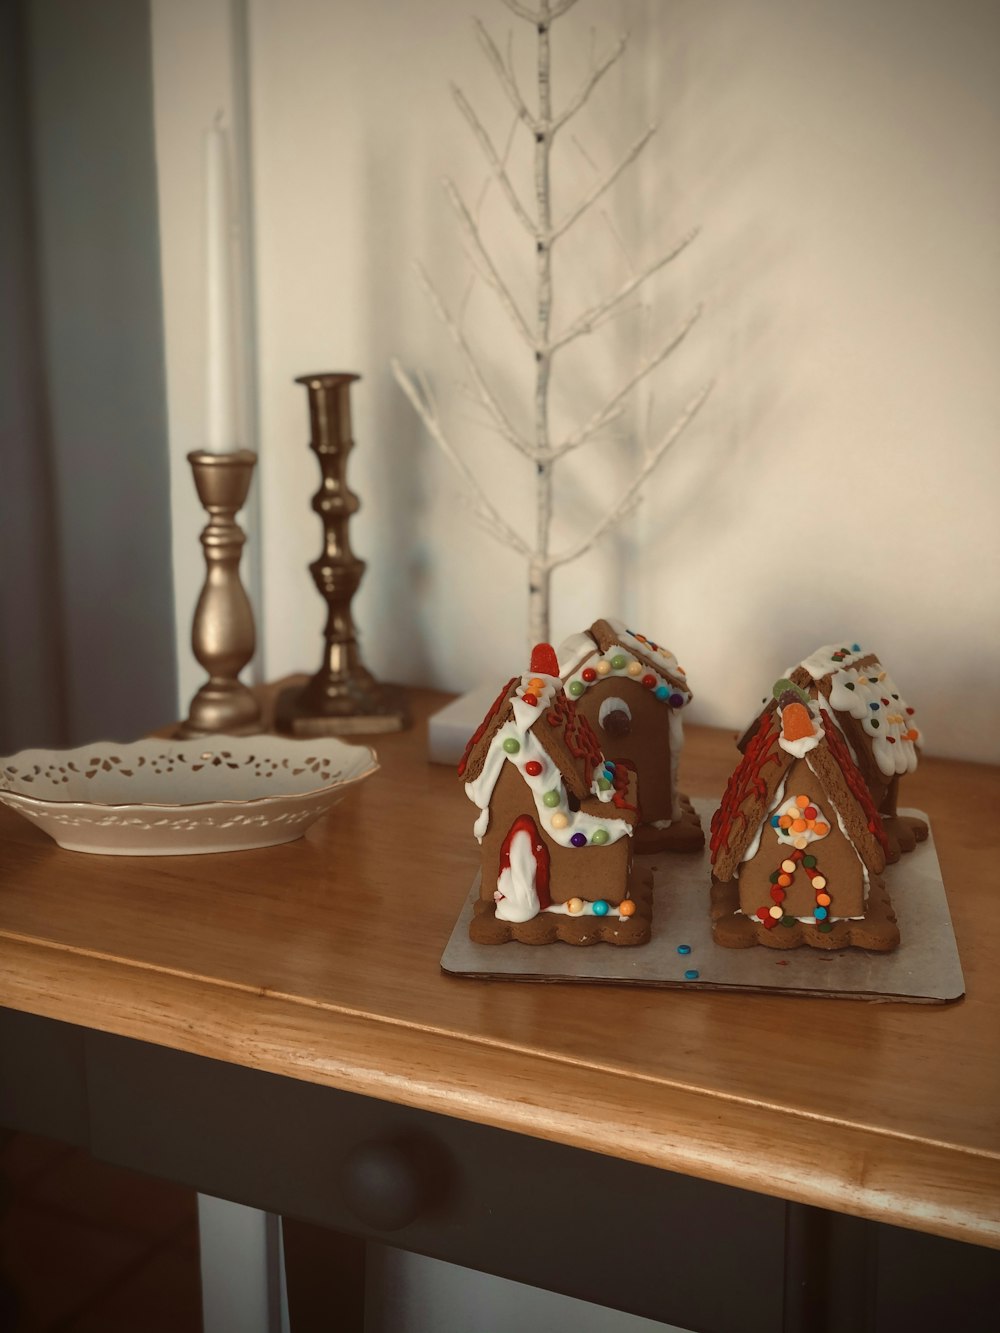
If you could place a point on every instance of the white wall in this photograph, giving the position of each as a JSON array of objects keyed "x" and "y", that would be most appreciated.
[{"x": 842, "y": 479}]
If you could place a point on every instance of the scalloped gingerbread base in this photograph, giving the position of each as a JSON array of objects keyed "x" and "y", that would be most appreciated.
[
  {"x": 683, "y": 835},
  {"x": 903, "y": 832},
  {"x": 548, "y": 927},
  {"x": 878, "y": 931}
]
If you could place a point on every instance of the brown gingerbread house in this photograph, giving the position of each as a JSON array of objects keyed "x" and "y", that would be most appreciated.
[
  {"x": 797, "y": 845},
  {"x": 555, "y": 822},
  {"x": 877, "y": 723},
  {"x": 632, "y": 692}
]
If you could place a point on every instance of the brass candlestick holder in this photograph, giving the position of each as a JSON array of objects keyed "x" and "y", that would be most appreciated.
[
  {"x": 222, "y": 634},
  {"x": 343, "y": 698}
]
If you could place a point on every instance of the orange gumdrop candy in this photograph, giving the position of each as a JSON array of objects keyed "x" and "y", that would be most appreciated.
[{"x": 796, "y": 723}]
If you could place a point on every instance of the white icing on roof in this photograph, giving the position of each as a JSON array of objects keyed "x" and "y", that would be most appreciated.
[
  {"x": 548, "y": 781},
  {"x": 869, "y": 694}
]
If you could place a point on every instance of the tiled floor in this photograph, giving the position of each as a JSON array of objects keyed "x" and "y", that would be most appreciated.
[{"x": 91, "y": 1248}]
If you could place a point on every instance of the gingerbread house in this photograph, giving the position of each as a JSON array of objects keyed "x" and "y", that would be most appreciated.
[
  {"x": 878, "y": 725},
  {"x": 632, "y": 693},
  {"x": 797, "y": 845},
  {"x": 555, "y": 822}
]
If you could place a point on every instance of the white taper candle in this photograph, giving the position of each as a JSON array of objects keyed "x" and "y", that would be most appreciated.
[{"x": 221, "y": 418}]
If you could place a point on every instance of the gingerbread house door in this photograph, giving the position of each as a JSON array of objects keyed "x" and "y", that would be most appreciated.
[{"x": 523, "y": 881}]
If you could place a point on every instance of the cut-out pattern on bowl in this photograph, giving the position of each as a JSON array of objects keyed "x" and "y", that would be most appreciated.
[{"x": 164, "y": 798}]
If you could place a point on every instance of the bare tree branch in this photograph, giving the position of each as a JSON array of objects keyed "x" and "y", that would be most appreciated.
[
  {"x": 609, "y": 180},
  {"x": 505, "y": 75},
  {"x": 501, "y": 528},
  {"x": 485, "y": 264},
  {"x": 486, "y": 396},
  {"x": 586, "y": 322},
  {"x": 499, "y": 170},
  {"x": 607, "y": 413},
  {"x": 578, "y": 99},
  {"x": 537, "y": 16},
  {"x": 632, "y": 491}
]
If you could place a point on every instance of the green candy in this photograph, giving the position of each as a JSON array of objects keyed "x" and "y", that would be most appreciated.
[
  {"x": 786, "y": 686},
  {"x": 551, "y": 798},
  {"x": 809, "y": 862},
  {"x": 511, "y": 745},
  {"x": 600, "y": 835},
  {"x": 619, "y": 661},
  {"x": 575, "y": 688},
  {"x": 603, "y": 784}
]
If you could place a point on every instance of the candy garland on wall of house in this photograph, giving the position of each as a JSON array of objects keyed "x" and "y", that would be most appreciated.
[{"x": 800, "y": 822}]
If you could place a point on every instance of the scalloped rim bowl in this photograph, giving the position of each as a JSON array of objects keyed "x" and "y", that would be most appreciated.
[{"x": 174, "y": 797}]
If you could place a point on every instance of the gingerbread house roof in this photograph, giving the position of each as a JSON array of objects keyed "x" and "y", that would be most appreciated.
[
  {"x": 536, "y": 726},
  {"x": 755, "y": 787},
  {"x": 609, "y": 649},
  {"x": 560, "y": 729},
  {"x": 864, "y": 702}
]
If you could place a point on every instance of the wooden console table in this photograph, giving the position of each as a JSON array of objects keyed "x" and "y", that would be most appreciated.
[{"x": 273, "y": 1027}]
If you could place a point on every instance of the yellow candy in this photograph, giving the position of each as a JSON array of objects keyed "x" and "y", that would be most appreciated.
[
  {"x": 574, "y": 906},
  {"x": 635, "y": 668},
  {"x": 559, "y": 820},
  {"x": 776, "y": 912},
  {"x": 788, "y": 867},
  {"x": 818, "y": 882},
  {"x": 603, "y": 667}
]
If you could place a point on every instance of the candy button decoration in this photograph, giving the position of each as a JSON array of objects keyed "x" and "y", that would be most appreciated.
[
  {"x": 635, "y": 668},
  {"x": 589, "y": 675},
  {"x": 530, "y": 699},
  {"x": 691, "y": 975},
  {"x": 574, "y": 906},
  {"x": 626, "y": 907},
  {"x": 676, "y": 701},
  {"x": 559, "y": 820},
  {"x": 551, "y": 799},
  {"x": 533, "y": 768},
  {"x": 600, "y": 836},
  {"x": 603, "y": 667},
  {"x": 575, "y": 688},
  {"x": 683, "y": 948},
  {"x": 600, "y": 908},
  {"x": 511, "y": 745},
  {"x": 619, "y": 661},
  {"x": 579, "y": 840},
  {"x": 661, "y": 692}
]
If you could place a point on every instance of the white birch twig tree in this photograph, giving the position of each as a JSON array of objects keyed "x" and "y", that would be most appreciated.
[{"x": 534, "y": 328}]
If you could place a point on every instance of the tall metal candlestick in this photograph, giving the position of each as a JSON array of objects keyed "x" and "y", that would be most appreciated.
[
  {"x": 343, "y": 698},
  {"x": 222, "y": 634}
]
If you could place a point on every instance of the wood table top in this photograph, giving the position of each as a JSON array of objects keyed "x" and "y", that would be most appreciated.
[{"x": 320, "y": 960}]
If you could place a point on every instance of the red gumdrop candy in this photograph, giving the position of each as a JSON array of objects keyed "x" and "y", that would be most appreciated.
[{"x": 543, "y": 660}]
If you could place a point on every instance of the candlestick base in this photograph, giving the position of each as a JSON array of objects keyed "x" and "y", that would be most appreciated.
[
  {"x": 351, "y": 707},
  {"x": 222, "y": 707}
]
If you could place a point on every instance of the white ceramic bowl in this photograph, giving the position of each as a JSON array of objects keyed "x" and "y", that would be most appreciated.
[{"x": 171, "y": 798}]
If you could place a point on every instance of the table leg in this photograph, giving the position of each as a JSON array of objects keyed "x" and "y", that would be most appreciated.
[{"x": 324, "y": 1278}]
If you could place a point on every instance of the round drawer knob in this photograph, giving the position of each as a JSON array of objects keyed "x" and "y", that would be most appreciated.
[{"x": 384, "y": 1185}]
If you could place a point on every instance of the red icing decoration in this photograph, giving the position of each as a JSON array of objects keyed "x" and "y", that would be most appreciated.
[
  {"x": 543, "y": 660},
  {"x": 525, "y": 824},
  {"x": 578, "y": 734},
  {"x": 854, "y": 780},
  {"x": 746, "y": 781},
  {"x": 481, "y": 730},
  {"x": 623, "y": 767}
]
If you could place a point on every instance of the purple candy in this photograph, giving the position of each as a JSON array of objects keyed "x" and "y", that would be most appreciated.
[{"x": 579, "y": 840}]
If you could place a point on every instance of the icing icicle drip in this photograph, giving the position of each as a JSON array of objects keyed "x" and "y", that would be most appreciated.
[
  {"x": 537, "y": 696},
  {"x": 860, "y": 686}
]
